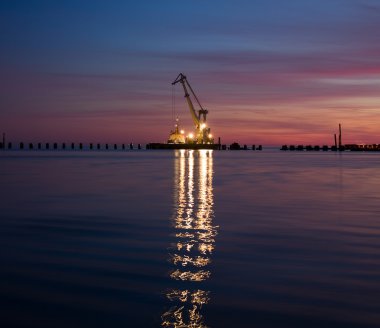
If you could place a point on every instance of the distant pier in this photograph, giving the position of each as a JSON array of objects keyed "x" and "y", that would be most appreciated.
[
  {"x": 338, "y": 146},
  {"x": 348, "y": 147},
  {"x": 80, "y": 146}
]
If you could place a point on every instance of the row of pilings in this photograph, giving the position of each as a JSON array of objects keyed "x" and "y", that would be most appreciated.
[
  {"x": 106, "y": 146},
  {"x": 348, "y": 147},
  {"x": 67, "y": 146}
]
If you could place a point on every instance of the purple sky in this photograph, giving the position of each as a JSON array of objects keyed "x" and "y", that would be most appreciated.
[{"x": 270, "y": 72}]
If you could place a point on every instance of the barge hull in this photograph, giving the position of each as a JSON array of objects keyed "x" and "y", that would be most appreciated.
[{"x": 182, "y": 146}]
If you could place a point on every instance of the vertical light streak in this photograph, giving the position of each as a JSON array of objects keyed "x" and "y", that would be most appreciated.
[{"x": 195, "y": 238}]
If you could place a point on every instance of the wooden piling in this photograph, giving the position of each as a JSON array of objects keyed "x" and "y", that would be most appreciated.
[
  {"x": 340, "y": 136},
  {"x": 21, "y": 145},
  {"x": 72, "y": 146},
  {"x": 39, "y": 146}
]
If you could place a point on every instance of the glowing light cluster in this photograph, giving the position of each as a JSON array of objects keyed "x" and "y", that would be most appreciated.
[
  {"x": 197, "y": 261},
  {"x": 190, "y": 276}
]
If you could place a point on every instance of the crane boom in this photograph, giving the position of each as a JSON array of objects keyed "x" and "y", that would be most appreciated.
[{"x": 182, "y": 78}]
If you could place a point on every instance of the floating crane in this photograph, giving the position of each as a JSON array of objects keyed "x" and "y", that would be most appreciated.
[{"x": 202, "y": 131}]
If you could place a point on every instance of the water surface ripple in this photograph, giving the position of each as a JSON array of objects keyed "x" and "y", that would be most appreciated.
[{"x": 189, "y": 239}]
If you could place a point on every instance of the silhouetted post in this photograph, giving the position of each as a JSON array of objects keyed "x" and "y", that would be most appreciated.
[
  {"x": 30, "y": 146},
  {"x": 39, "y": 146},
  {"x": 63, "y": 146},
  {"x": 107, "y": 146},
  {"x": 9, "y": 145},
  {"x": 340, "y": 137},
  {"x": 219, "y": 143},
  {"x": 139, "y": 146},
  {"x": 115, "y": 146},
  {"x": 98, "y": 146},
  {"x": 335, "y": 147},
  {"x": 80, "y": 146},
  {"x": 123, "y": 146},
  {"x": 72, "y": 146},
  {"x": 47, "y": 146},
  {"x": 55, "y": 146},
  {"x": 21, "y": 145},
  {"x": 91, "y": 146},
  {"x": 253, "y": 147},
  {"x": 131, "y": 145}
]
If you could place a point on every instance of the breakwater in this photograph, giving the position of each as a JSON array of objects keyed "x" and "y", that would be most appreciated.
[
  {"x": 68, "y": 146},
  {"x": 80, "y": 146},
  {"x": 348, "y": 147}
]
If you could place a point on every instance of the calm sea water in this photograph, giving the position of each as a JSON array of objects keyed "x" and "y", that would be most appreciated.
[{"x": 189, "y": 239}]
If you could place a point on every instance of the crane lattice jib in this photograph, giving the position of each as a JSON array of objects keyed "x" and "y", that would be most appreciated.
[{"x": 182, "y": 78}]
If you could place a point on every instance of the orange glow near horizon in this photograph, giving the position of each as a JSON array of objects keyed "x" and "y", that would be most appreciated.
[{"x": 260, "y": 86}]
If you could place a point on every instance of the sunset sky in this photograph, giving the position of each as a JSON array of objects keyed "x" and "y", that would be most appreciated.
[{"x": 269, "y": 72}]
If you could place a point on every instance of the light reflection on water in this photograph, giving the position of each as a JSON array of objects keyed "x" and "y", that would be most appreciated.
[
  {"x": 195, "y": 235},
  {"x": 84, "y": 239}
]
